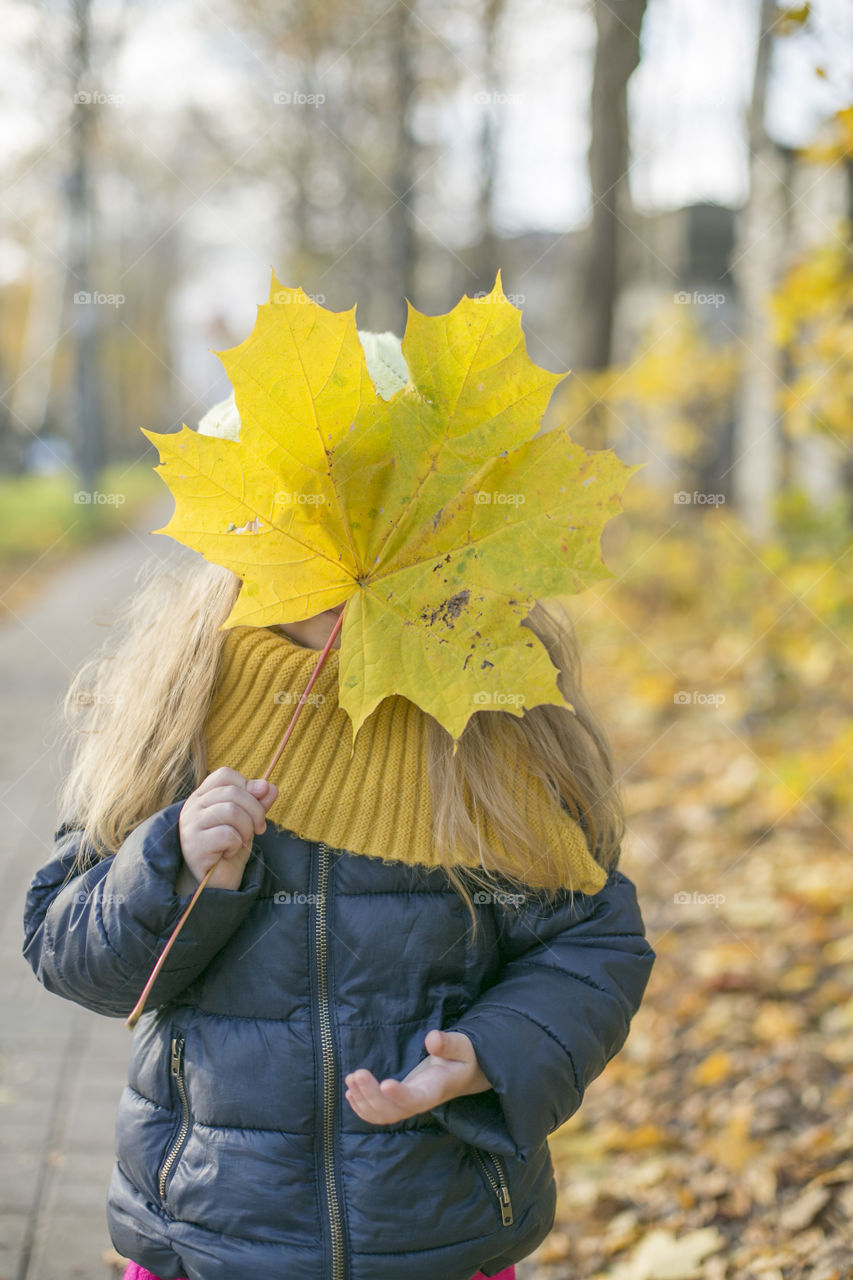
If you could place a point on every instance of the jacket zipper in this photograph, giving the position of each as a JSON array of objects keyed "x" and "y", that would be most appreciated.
[
  {"x": 177, "y": 1069},
  {"x": 498, "y": 1181},
  {"x": 328, "y": 1052}
]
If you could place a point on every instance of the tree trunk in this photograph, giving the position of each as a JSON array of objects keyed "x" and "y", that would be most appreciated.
[
  {"x": 301, "y": 122},
  {"x": 487, "y": 263},
  {"x": 616, "y": 56},
  {"x": 402, "y": 246},
  {"x": 80, "y": 290},
  {"x": 757, "y": 449},
  {"x": 29, "y": 396}
]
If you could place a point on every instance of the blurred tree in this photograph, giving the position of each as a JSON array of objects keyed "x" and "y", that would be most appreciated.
[
  {"x": 676, "y": 388},
  {"x": 91, "y": 207},
  {"x": 813, "y": 312},
  {"x": 813, "y": 315},
  {"x": 80, "y": 283},
  {"x": 36, "y": 311},
  {"x": 487, "y": 255},
  {"x": 403, "y": 248},
  {"x": 8, "y": 453},
  {"x": 311, "y": 29},
  {"x": 617, "y": 54},
  {"x": 343, "y": 150},
  {"x": 757, "y": 441}
]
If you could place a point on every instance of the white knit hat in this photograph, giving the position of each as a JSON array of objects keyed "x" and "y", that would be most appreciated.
[
  {"x": 386, "y": 364},
  {"x": 383, "y": 355}
]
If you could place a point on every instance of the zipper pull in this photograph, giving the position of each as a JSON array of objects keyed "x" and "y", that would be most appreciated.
[
  {"x": 506, "y": 1207},
  {"x": 177, "y": 1054}
]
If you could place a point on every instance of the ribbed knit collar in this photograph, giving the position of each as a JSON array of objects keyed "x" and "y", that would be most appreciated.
[{"x": 373, "y": 799}]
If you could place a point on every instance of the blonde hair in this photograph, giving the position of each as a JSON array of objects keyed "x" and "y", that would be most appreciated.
[{"x": 135, "y": 712}]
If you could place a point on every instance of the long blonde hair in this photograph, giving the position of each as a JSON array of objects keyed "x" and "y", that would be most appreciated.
[{"x": 134, "y": 718}]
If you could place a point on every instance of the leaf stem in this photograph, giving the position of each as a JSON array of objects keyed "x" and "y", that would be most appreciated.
[{"x": 134, "y": 1015}]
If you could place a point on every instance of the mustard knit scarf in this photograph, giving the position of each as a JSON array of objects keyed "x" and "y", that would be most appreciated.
[{"x": 376, "y": 801}]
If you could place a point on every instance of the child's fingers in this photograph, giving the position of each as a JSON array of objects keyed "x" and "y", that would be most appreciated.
[
  {"x": 227, "y": 813},
  {"x": 256, "y": 794},
  {"x": 451, "y": 1045},
  {"x": 243, "y": 801},
  {"x": 375, "y": 1102},
  {"x": 357, "y": 1081},
  {"x": 219, "y": 778},
  {"x": 218, "y": 844},
  {"x": 364, "y": 1087},
  {"x": 263, "y": 790},
  {"x": 365, "y": 1097},
  {"x": 220, "y": 841}
]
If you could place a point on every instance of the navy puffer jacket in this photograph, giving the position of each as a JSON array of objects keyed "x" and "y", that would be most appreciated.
[{"x": 238, "y": 1155}]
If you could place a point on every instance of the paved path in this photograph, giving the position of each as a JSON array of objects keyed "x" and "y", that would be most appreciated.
[{"x": 62, "y": 1067}]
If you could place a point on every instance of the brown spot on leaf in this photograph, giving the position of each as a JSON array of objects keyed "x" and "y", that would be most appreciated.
[{"x": 448, "y": 611}]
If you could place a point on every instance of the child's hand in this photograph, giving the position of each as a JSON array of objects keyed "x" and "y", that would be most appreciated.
[
  {"x": 450, "y": 1070},
  {"x": 219, "y": 819}
]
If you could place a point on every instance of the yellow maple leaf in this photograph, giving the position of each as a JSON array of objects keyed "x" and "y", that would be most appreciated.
[{"x": 439, "y": 516}]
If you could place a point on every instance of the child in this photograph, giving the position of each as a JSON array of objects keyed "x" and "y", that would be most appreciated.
[{"x": 351, "y": 1059}]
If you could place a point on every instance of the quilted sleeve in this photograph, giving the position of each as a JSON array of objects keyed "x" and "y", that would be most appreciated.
[
  {"x": 94, "y": 937},
  {"x": 571, "y": 979}
]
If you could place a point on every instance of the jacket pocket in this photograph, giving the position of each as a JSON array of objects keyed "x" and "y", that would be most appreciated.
[
  {"x": 494, "y": 1174},
  {"x": 176, "y": 1068}
]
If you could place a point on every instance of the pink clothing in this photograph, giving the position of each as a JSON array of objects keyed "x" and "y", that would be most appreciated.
[{"x": 135, "y": 1272}]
